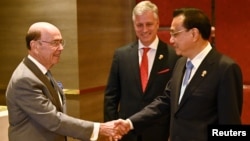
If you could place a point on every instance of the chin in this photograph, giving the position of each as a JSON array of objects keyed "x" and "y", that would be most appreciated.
[
  {"x": 178, "y": 52},
  {"x": 55, "y": 61}
]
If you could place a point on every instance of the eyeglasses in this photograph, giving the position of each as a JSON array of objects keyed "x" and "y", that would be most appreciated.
[
  {"x": 55, "y": 43},
  {"x": 174, "y": 34}
]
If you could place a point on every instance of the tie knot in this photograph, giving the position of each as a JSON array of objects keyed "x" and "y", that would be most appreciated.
[
  {"x": 145, "y": 49},
  {"x": 189, "y": 65},
  {"x": 48, "y": 73}
]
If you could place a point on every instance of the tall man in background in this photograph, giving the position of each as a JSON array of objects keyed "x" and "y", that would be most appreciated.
[{"x": 126, "y": 94}]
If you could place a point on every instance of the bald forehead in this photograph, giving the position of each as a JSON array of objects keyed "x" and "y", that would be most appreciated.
[{"x": 42, "y": 26}]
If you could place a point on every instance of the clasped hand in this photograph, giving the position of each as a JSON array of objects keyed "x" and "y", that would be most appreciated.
[{"x": 114, "y": 130}]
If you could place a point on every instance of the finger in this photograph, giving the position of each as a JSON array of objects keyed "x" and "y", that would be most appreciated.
[{"x": 121, "y": 130}]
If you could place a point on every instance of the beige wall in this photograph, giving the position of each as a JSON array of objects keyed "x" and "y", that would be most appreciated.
[
  {"x": 102, "y": 27},
  {"x": 92, "y": 30}
]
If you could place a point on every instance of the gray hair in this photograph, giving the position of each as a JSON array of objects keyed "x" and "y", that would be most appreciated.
[{"x": 144, "y": 6}]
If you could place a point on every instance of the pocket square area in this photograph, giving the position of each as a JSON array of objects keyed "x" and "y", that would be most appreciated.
[{"x": 163, "y": 71}]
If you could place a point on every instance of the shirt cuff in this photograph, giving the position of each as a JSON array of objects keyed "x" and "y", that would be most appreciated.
[
  {"x": 95, "y": 132},
  {"x": 130, "y": 124}
]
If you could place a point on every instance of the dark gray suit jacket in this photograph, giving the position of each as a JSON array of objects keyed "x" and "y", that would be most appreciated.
[
  {"x": 211, "y": 98},
  {"x": 124, "y": 96},
  {"x": 35, "y": 113}
]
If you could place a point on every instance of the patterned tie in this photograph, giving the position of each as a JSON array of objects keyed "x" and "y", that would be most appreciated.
[
  {"x": 189, "y": 67},
  {"x": 144, "y": 68}
]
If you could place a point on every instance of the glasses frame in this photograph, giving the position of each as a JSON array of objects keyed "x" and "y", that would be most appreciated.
[
  {"x": 174, "y": 34},
  {"x": 55, "y": 43}
]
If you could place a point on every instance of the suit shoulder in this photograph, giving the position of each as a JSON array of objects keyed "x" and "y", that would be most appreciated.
[
  {"x": 166, "y": 46},
  {"x": 125, "y": 50},
  {"x": 162, "y": 43},
  {"x": 221, "y": 58},
  {"x": 127, "y": 46},
  {"x": 226, "y": 62},
  {"x": 222, "y": 61}
]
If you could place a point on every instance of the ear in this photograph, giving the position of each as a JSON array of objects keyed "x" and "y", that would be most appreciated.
[
  {"x": 158, "y": 23},
  {"x": 196, "y": 34},
  {"x": 34, "y": 45}
]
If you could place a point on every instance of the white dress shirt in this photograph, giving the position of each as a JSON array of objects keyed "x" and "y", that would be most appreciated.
[
  {"x": 151, "y": 53},
  {"x": 196, "y": 61}
]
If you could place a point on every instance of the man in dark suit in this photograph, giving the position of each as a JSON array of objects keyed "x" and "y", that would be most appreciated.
[
  {"x": 36, "y": 104},
  {"x": 125, "y": 95},
  {"x": 213, "y": 95}
]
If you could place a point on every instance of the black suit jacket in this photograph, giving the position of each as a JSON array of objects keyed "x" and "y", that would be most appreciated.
[
  {"x": 213, "y": 96},
  {"x": 124, "y": 96}
]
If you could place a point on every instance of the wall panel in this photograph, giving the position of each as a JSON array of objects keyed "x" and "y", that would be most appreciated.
[
  {"x": 102, "y": 28},
  {"x": 232, "y": 32},
  {"x": 92, "y": 30},
  {"x": 16, "y": 17}
]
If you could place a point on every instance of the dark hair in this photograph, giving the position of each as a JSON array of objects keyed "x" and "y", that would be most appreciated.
[
  {"x": 32, "y": 35},
  {"x": 195, "y": 18}
]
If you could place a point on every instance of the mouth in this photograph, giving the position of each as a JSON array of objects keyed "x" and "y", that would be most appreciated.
[
  {"x": 57, "y": 55},
  {"x": 174, "y": 46},
  {"x": 146, "y": 35}
]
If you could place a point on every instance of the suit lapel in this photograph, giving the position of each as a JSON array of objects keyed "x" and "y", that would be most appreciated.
[
  {"x": 159, "y": 63},
  {"x": 198, "y": 77},
  {"x": 134, "y": 60},
  {"x": 178, "y": 76},
  {"x": 54, "y": 96}
]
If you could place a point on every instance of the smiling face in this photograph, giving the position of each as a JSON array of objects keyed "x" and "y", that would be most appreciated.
[
  {"x": 146, "y": 26},
  {"x": 48, "y": 48}
]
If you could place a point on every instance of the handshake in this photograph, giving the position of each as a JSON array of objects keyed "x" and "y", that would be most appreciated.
[{"x": 114, "y": 130}]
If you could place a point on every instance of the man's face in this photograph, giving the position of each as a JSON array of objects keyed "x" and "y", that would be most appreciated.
[
  {"x": 181, "y": 38},
  {"x": 49, "y": 48},
  {"x": 146, "y": 27}
]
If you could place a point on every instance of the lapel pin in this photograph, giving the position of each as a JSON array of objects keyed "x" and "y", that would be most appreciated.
[
  {"x": 160, "y": 57},
  {"x": 203, "y": 74},
  {"x": 60, "y": 84}
]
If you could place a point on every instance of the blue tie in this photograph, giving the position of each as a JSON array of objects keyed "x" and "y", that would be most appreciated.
[{"x": 189, "y": 67}]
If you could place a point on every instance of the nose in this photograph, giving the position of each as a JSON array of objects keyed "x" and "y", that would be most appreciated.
[
  {"x": 144, "y": 28},
  {"x": 171, "y": 40},
  {"x": 61, "y": 47}
]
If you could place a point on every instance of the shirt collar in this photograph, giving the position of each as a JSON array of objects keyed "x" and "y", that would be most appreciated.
[
  {"x": 39, "y": 65},
  {"x": 196, "y": 61},
  {"x": 153, "y": 45}
]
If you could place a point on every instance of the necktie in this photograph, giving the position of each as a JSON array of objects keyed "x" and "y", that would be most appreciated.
[
  {"x": 144, "y": 68},
  {"x": 54, "y": 84},
  {"x": 189, "y": 67},
  {"x": 49, "y": 75}
]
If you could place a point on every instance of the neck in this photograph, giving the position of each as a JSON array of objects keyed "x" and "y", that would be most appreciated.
[{"x": 198, "y": 48}]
